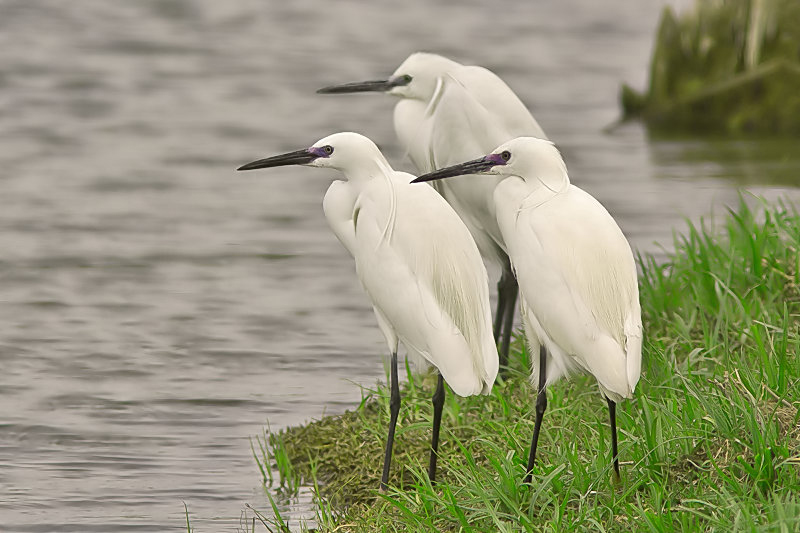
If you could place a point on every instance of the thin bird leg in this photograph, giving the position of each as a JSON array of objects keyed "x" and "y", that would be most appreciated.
[
  {"x": 612, "y": 411},
  {"x": 504, "y": 318},
  {"x": 394, "y": 408},
  {"x": 501, "y": 307},
  {"x": 438, "y": 404},
  {"x": 511, "y": 301},
  {"x": 541, "y": 406}
]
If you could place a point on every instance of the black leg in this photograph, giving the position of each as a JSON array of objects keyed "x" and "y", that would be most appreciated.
[
  {"x": 507, "y": 289},
  {"x": 501, "y": 307},
  {"x": 394, "y": 408},
  {"x": 511, "y": 301},
  {"x": 438, "y": 404},
  {"x": 541, "y": 406},
  {"x": 612, "y": 411}
]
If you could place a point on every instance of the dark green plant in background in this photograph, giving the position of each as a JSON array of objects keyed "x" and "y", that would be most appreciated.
[{"x": 728, "y": 66}]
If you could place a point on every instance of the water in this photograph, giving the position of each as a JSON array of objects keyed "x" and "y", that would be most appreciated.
[{"x": 156, "y": 308}]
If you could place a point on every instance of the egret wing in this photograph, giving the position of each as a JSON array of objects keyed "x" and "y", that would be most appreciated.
[
  {"x": 462, "y": 130},
  {"x": 338, "y": 206},
  {"x": 578, "y": 277},
  {"x": 423, "y": 272},
  {"x": 413, "y": 128},
  {"x": 500, "y": 101}
]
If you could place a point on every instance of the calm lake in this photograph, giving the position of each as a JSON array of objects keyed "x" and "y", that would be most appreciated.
[{"x": 157, "y": 308}]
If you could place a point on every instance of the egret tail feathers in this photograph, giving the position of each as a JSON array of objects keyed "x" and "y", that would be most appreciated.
[{"x": 633, "y": 346}]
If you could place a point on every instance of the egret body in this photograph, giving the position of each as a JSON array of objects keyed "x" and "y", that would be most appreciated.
[
  {"x": 576, "y": 272},
  {"x": 418, "y": 264},
  {"x": 448, "y": 113}
]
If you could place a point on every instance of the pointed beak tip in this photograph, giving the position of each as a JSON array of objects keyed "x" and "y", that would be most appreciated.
[
  {"x": 249, "y": 166},
  {"x": 298, "y": 157}
]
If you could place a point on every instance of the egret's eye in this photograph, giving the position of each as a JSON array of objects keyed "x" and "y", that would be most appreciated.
[
  {"x": 328, "y": 149},
  {"x": 505, "y": 155},
  {"x": 406, "y": 78}
]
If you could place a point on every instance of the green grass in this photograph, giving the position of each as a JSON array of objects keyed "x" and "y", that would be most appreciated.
[{"x": 711, "y": 441}]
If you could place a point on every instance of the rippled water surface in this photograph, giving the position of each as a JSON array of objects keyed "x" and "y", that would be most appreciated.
[{"x": 156, "y": 308}]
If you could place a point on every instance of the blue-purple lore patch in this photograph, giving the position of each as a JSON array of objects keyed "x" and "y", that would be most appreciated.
[
  {"x": 497, "y": 159},
  {"x": 321, "y": 151}
]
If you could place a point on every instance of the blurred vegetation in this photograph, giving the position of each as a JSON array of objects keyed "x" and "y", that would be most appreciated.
[
  {"x": 710, "y": 441},
  {"x": 727, "y": 66}
]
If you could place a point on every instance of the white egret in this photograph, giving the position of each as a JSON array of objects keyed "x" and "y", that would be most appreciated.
[
  {"x": 449, "y": 113},
  {"x": 418, "y": 264},
  {"x": 577, "y": 276}
]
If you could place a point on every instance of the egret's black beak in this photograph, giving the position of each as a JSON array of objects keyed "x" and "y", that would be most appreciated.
[
  {"x": 380, "y": 86},
  {"x": 298, "y": 157},
  {"x": 476, "y": 166}
]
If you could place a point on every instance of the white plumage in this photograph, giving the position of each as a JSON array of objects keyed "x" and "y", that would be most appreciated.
[
  {"x": 449, "y": 113},
  {"x": 576, "y": 271},
  {"x": 415, "y": 258},
  {"x": 417, "y": 262}
]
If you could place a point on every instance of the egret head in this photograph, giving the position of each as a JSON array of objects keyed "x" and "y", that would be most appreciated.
[
  {"x": 523, "y": 156},
  {"x": 344, "y": 151},
  {"x": 415, "y": 78}
]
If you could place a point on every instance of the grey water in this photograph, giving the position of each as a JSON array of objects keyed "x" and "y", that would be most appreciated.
[{"x": 157, "y": 308}]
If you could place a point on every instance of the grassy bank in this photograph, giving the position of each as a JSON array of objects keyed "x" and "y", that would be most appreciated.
[{"x": 711, "y": 441}]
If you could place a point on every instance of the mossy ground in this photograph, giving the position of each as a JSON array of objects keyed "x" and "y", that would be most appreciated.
[{"x": 711, "y": 441}]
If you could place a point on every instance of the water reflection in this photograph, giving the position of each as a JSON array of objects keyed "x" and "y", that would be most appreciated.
[{"x": 744, "y": 162}]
